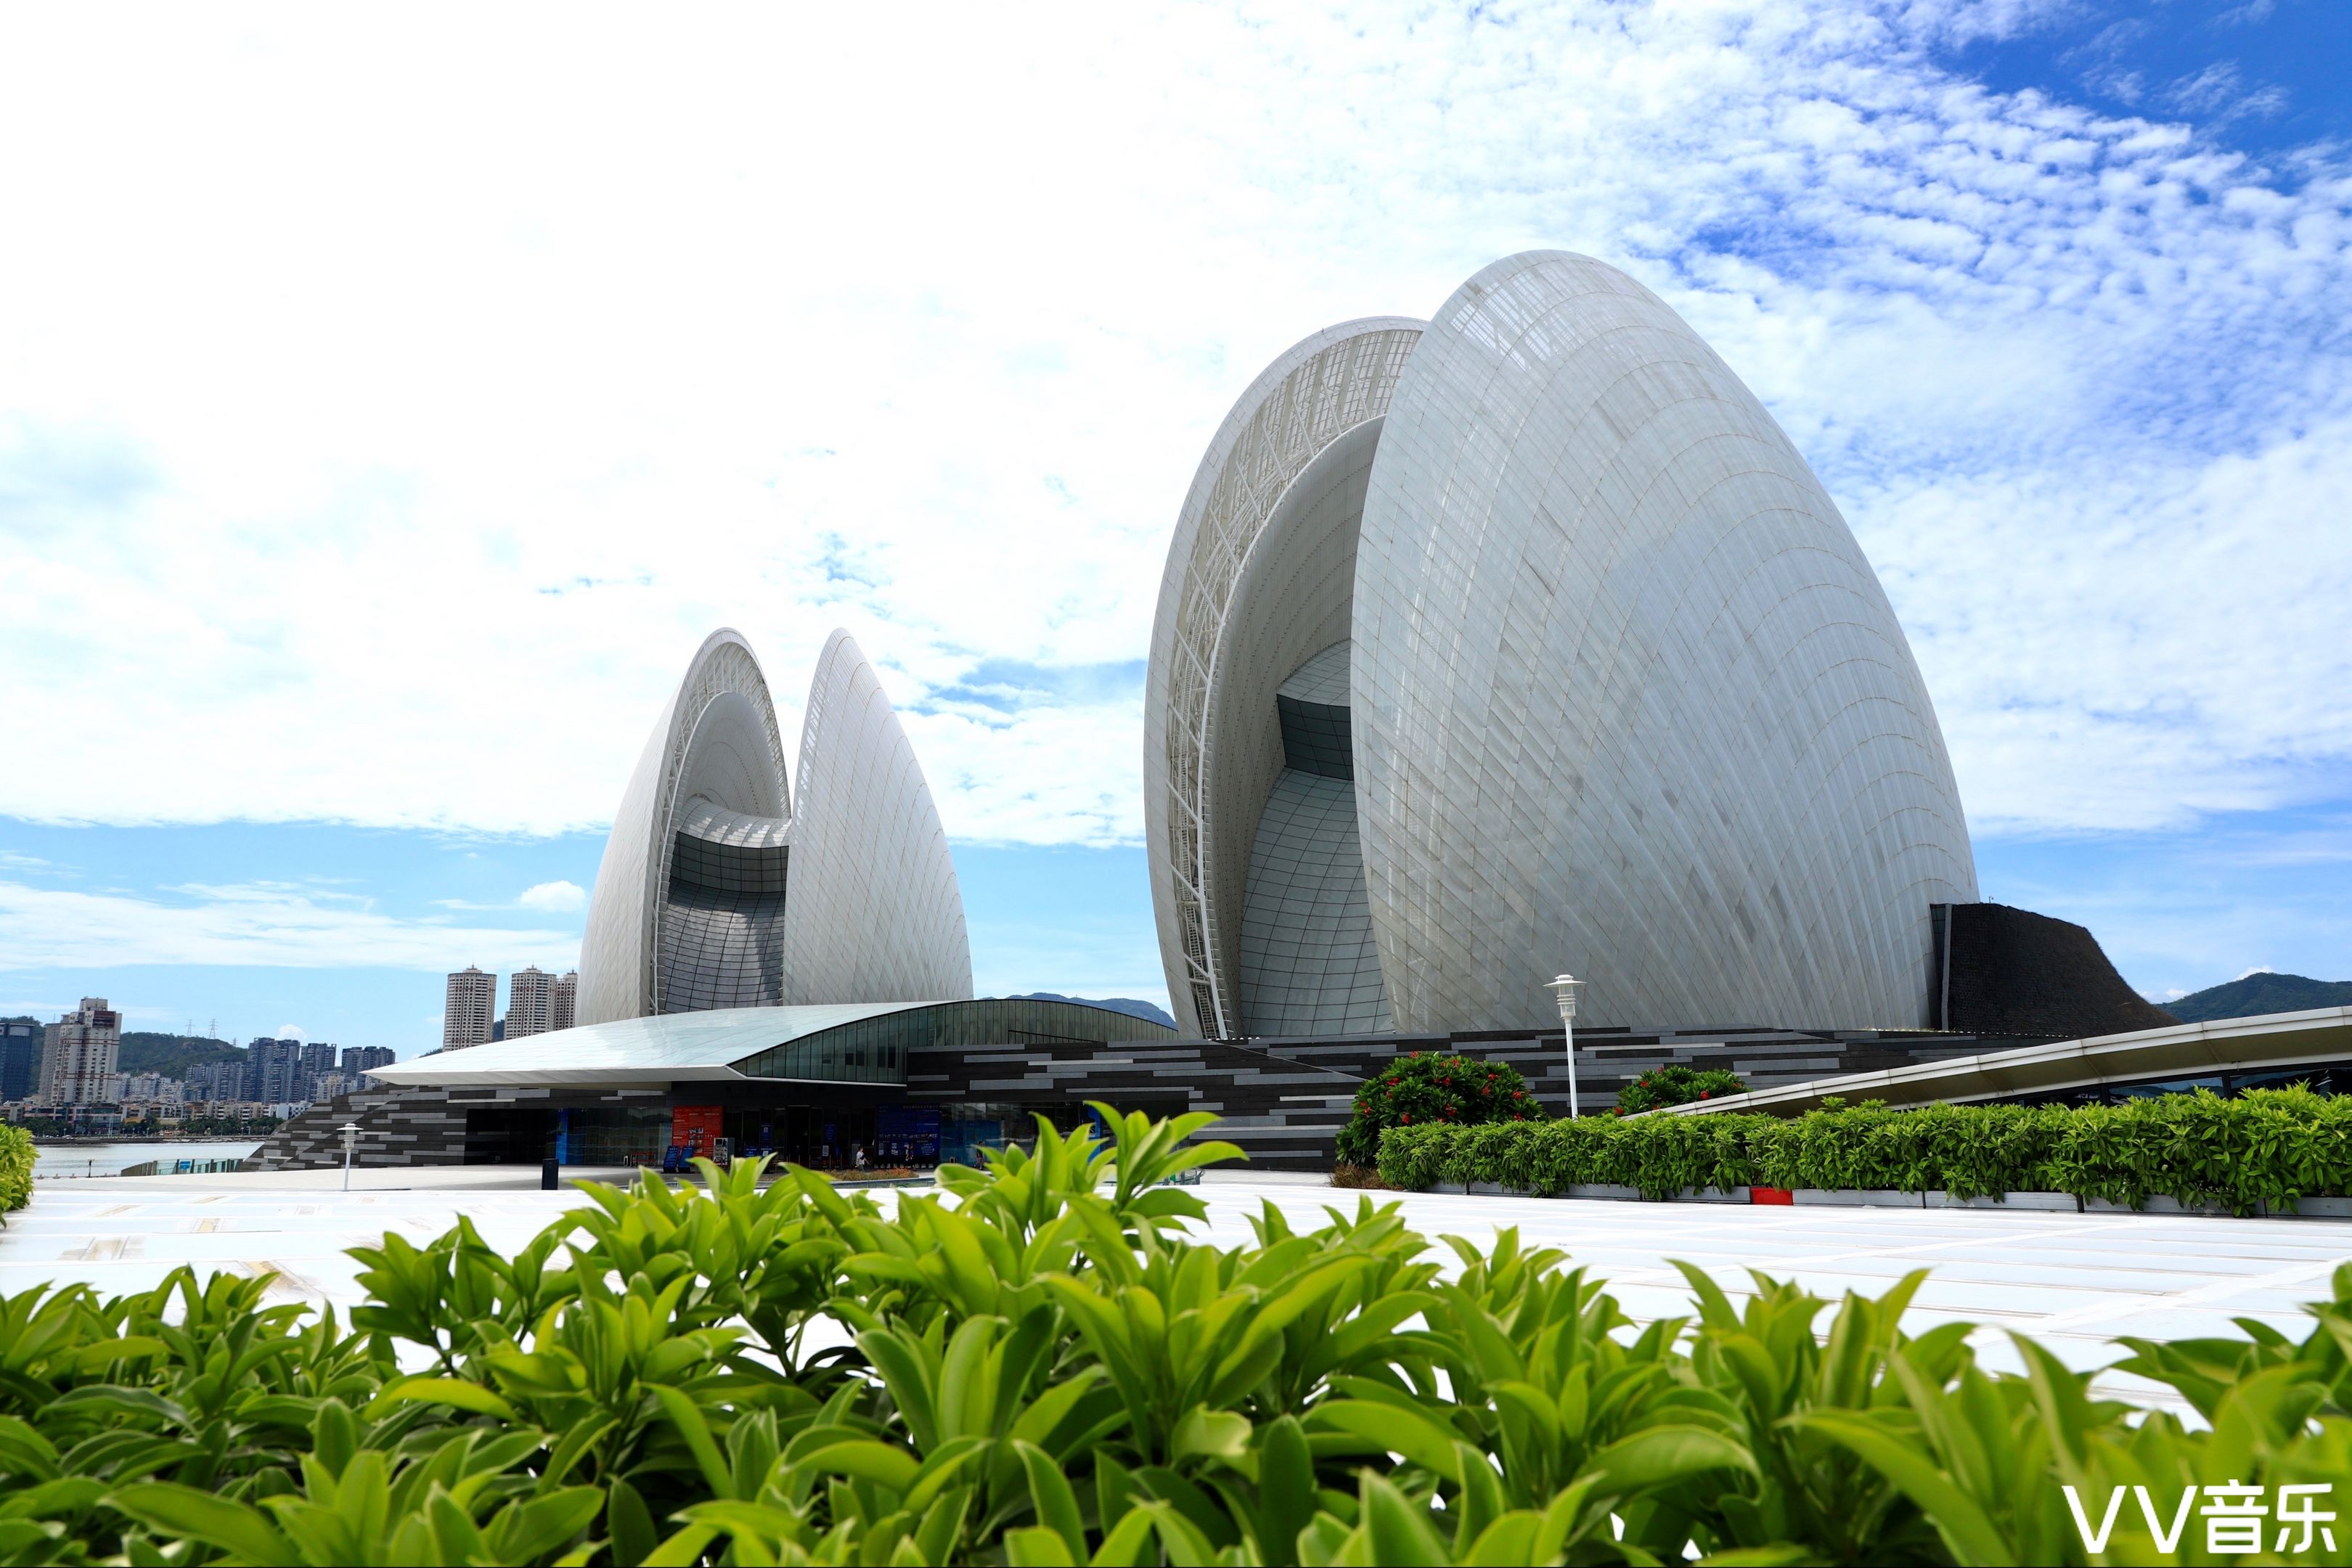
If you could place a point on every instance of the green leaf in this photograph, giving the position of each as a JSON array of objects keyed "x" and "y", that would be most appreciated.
[
  {"x": 1399, "y": 1534},
  {"x": 867, "y": 1461},
  {"x": 1038, "y": 1548},
  {"x": 1286, "y": 1488},
  {"x": 451, "y": 1390},
  {"x": 1970, "y": 1535},
  {"x": 1210, "y": 1434},
  {"x": 687, "y": 1417},
  {"x": 631, "y": 1524},
  {"x": 528, "y": 1529},
  {"x": 219, "y": 1523},
  {"x": 1664, "y": 1454},
  {"x": 1050, "y": 1494},
  {"x": 1394, "y": 1429}
]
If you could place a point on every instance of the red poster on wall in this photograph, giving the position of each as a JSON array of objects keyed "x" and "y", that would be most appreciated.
[{"x": 696, "y": 1127}]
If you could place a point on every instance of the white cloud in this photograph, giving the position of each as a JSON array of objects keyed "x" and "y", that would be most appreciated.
[
  {"x": 554, "y": 897},
  {"x": 2257, "y": 969},
  {"x": 291, "y": 1032},
  {"x": 255, "y": 924},
  {"x": 404, "y": 457}
]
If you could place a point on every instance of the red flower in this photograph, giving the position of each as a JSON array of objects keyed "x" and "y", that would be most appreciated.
[{"x": 1407, "y": 1116}]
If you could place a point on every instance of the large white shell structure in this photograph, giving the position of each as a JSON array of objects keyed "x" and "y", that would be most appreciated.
[
  {"x": 1522, "y": 642},
  {"x": 715, "y": 893}
]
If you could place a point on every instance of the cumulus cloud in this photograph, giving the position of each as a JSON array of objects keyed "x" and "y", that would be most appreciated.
[
  {"x": 554, "y": 897},
  {"x": 405, "y": 501},
  {"x": 264, "y": 923}
]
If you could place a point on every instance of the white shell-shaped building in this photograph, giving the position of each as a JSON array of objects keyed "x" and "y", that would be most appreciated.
[
  {"x": 1524, "y": 640},
  {"x": 716, "y": 892}
]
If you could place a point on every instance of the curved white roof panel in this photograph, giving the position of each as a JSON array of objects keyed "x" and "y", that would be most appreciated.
[
  {"x": 876, "y": 912},
  {"x": 1622, "y": 694}
]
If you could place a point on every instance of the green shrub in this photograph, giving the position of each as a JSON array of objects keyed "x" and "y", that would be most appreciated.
[
  {"x": 17, "y": 1156},
  {"x": 2267, "y": 1147},
  {"x": 1676, "y": 1084},
  {"x": 1433, "y": 1089},
  {"x": 1038, "y": 1365}
]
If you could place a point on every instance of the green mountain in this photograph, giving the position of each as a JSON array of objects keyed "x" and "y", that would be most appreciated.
[
  {"x": 171, "y": 1055},
  {"x": 2258, "y": 994},
  {"x": 1131, "y": 1007}
]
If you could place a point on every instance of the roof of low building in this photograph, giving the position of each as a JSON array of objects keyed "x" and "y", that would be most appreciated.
[{"x": 843, "y": 1042}]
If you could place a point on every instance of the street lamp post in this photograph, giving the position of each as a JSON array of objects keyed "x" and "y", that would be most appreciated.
[
  {"x": 351, "y": 1131},
  {"x": 1563, "y": 991}
]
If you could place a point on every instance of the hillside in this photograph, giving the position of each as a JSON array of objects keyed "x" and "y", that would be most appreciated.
[
  {"x": 171, "y": 1055},
  {"x": 2258, "y": 994},
  {"x": 1127, "y": 1005}
]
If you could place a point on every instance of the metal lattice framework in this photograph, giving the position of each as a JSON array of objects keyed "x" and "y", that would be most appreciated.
[
  {"x": 725, "y": 664},
  {"x": 1307, "y": 399}
]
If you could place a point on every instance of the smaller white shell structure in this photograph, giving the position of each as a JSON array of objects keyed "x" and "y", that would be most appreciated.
[
  {"x": 1524, "y": 640},
  {"x": 715, "y": 893}
]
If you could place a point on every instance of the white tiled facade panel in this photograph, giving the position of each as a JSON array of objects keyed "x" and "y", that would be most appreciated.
[
  {"x": 876, "y": 913},
  {"x": 1627, "y": 699}
]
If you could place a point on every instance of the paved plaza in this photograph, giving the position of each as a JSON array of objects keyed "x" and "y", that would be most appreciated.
[{"x": 2073, "y": 1281}]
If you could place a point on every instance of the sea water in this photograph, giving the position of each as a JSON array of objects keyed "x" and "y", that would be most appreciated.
[{"x": 62, "y": 1161}]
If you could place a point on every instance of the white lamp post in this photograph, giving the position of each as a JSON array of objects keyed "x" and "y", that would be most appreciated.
[
  {"x": 351, "y": 1131},
  {"x": 1563, "y": 991}
]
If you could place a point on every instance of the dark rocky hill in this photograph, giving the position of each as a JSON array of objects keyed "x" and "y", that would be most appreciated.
[{"x": 2258, "y": 994}]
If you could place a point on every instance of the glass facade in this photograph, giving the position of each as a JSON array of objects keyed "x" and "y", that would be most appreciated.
[
  {"x": 722, "y": 929},
  {"x": 874, "y": 1050}
]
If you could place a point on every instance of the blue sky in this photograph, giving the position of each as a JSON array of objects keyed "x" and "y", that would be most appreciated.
[{"x": 383, "y": 422}]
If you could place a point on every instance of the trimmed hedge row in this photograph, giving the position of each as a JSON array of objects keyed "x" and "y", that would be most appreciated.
[
  {"x": 15, "y": 1168},
  {"x": 2269, "y": 1146}
]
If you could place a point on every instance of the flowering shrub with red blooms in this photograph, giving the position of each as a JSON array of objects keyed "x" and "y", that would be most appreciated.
[
  {"x": 1676, "y": 1085},
  {"x": 1433, "y": 1087}
]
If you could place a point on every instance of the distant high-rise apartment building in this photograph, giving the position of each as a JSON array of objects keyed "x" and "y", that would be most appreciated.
[
  {"x": 471, "y": 1009},
  {"x": 565, "y": 1008},
  {"x": 359, "y": 1060},
  {"x": 274, "y": 1071},
  {"x": 318, "y": 1059},
  {"x": 20, "y": 1057},
  {"x": 78, "y": 1054},
  {"x": 530, "y": 1003},
  {"x": 218, "y": 1080}
]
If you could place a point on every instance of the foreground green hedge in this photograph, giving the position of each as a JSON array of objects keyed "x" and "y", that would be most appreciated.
[
  {"x": 1040, "y": 1367},
  {"x": 2270, "y": 1146},
  {"x": 17, "y": 1156}
]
